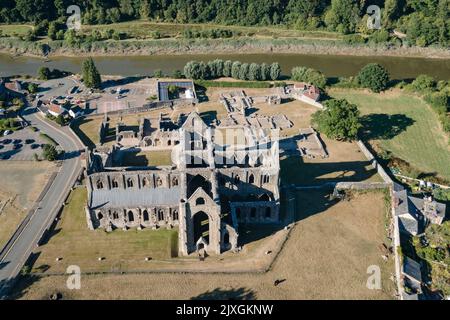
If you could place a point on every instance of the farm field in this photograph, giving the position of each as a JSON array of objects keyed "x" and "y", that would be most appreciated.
[
  {"x": 338, "y": 240},
  {"x": 404, "y": 125}
]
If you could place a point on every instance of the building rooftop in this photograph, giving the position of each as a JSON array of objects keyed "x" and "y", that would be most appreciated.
[{"x": 134, "y": 197}]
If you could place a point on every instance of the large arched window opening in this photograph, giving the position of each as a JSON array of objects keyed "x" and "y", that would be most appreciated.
[
  {"x": 160, "y": 215},
  {"x": 201, "y": 226},
  {"x": 130, "y": 216},
  {"x": 145, "y": 215}
]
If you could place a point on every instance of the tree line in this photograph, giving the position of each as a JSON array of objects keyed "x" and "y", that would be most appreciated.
[
  {"x": 235, "y": 69},
  {"x": 424, "y": 21}
]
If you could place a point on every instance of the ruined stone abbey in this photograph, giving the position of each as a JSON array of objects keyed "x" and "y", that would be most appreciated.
[{"x": 214, "y": 183}]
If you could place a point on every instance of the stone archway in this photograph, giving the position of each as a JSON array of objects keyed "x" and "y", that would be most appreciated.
[{"x": 201, "y": 226}]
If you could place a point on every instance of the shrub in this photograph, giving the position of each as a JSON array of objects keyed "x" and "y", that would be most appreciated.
[
  {"x": 49, "y": 152},
  {"x": 423, "y": 83},
  {"x": 373, "y": 76},
  {"x": 309, "y": 75}
]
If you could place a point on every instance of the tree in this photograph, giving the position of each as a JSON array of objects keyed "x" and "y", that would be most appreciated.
[
  {"x": 265, "y": 71},
  {"x": 373, "y": 76},
  {"x": 90, "y": 74},
  {"x": 235, "y": 69},
  {"x": 44, "y": 73},
  {"x": 309, "y": 75},
  {"x": 49, "y": 152},
  {"x": 343, "y": 16},
  {"x": 244, "y": 71},
  {"x": 227, "y": 68},
  {"x": 339, "y": 120},
  {"x": 275, "y": 71},
  {"x": 254, "y": 72},
  {"x": 192, "y": 70}
]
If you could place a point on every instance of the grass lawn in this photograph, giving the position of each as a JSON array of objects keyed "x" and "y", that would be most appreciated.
[
  {"x": 15, "y": 29},
  {"x": 326, "y": 257},
  {"x": 147, "y": 158},
  {"x": 144, "y": 29},
  {"x": 404, "y": 125},
  {"x": 76, "y": 244}
]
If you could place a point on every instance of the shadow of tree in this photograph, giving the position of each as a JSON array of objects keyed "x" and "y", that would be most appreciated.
[
  {"x": 384, "y": 126},
  {"x": 227, "y": 294}
]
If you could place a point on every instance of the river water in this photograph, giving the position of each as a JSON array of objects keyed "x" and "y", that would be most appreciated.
[{"x": 330, "y": 65}]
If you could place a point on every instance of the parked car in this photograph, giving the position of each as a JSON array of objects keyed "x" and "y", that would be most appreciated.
[
  {"x": 6, "y": 132},
  {"x": 28, "y": 141}
]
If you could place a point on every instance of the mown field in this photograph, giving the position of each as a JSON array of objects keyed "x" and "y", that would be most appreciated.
[
  {"x": 404, "y": 125},
  {"x": 76, "y": 244}
]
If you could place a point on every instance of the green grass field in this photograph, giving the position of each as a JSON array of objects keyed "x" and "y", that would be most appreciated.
[
  {"x": 147, "y": 158},
  {"x": 78, "y": 245},
  {"x": 404, "y": 125},
  {"x": 144, "y": 29},
  {"x": 14, "y": 29}
]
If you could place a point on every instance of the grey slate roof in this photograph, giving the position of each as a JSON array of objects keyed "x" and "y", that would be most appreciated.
[
  {"x": 408, "y": 224},
  {"x": 411, "y": 269},
  {"x": 133, "y": 197}
]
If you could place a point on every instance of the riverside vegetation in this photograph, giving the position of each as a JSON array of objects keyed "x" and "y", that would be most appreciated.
[{"x": 257, "y": 24}]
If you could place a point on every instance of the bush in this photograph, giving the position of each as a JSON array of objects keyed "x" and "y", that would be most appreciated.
[
  {"x": 439, "y": 101},
  {"x": 423, "y": 83},
  {"x": 309, "y": 75},
  {"x": 354, "y": 39},
  {"x": 373, "y": 76},
  {"x": 49, "y": 152}
]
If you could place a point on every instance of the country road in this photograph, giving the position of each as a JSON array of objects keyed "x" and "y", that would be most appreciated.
[{"x": 26, "y": 239}]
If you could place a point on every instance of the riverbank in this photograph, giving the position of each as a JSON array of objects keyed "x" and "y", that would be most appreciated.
[{"x": 243, "y": 45}]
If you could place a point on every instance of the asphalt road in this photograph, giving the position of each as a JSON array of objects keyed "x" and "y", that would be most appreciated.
[{"x": 25, "y": 241}]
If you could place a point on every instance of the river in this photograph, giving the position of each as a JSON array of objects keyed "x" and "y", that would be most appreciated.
[{"x": 330, "y": 65}]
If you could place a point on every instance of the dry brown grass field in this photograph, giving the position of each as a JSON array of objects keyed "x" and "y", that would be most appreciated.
[
  {"x": 326, "y": 257},
  {"x": 21, "y": 184},
  {"x": 346, "y": 162}
]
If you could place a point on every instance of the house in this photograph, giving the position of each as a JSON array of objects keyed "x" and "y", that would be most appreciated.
[
  {"x": 56, "y": 109},
  {"x": 12, "y": 89},
  {"x": 306, "y": 91},
  {"x": 76, "y": 111},
  {"x": 414, "y": 213}
]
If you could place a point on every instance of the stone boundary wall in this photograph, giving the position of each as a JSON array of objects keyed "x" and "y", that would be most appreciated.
[
  {"x": 386, "y": 178},
  {"x": 396, "y": 232},
  {"x": 361, "y": 185}
]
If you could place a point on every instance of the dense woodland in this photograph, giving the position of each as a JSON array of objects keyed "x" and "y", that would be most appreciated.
[{"x": 424, "y": 21}]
